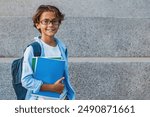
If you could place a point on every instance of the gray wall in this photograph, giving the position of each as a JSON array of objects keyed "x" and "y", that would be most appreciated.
[{"x": 108, "y": 43}]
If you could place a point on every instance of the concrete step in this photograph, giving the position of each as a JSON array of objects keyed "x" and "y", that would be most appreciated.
[
  {"x": 80, "y": 8},
  {"x": 97, "y": 36},
  {"x": 97, "y": 78},
  {"x": 108, "y": 43}
]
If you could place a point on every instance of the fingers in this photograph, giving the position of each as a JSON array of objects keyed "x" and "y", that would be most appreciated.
[
  {"x": 59, "y": 86},
  {"x": 60, "y": 80}
]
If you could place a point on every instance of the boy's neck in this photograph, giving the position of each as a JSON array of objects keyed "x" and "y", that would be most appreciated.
[{"x": 49, "y": 40}]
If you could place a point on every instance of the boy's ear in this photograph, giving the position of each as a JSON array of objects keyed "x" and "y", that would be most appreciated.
[{"x": 37, "y": 26}]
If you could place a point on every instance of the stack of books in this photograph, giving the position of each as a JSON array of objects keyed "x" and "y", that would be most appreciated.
[{"x": 49, "y": 70}]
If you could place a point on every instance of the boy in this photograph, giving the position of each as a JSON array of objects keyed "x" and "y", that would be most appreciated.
[{"x": 47, "y": 20}]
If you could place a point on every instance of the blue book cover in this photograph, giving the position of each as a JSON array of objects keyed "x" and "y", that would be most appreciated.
[{"x": 49, "y": 71}]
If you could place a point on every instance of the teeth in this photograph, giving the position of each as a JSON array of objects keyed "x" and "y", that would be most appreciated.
[{"x": 50, "y": 30}]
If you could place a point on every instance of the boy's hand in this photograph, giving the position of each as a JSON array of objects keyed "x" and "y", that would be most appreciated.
[{"x": 58, "y": 86}]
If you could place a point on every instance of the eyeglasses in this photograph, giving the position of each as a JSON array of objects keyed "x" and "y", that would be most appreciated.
[{"x": 47, "y": 22}]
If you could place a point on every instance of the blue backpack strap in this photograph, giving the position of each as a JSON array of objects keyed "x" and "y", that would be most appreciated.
[{"x": 36, "y": 49}]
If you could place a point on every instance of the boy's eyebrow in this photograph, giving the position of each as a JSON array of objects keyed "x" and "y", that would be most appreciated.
[{"x": 50, "y": 19}]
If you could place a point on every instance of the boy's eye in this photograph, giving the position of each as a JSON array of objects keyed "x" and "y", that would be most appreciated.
[{"x": 47, "y": 22}]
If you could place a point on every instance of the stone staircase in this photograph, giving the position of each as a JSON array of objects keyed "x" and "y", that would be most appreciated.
[{"x": 108, "y": 43}]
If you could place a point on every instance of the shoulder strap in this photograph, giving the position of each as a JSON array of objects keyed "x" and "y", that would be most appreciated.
[{"x": 36, "y": 49}]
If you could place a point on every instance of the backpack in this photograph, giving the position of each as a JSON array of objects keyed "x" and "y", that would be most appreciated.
[{"x": 16, "y": 72}]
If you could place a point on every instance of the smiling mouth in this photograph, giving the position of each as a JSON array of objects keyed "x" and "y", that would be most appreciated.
[{"x": 50, "y": 30}]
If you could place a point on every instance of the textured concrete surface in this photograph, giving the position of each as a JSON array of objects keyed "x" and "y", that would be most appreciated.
[
  {"x": 111, "y": 81},
  {"x": 80, "y": 8},
  {"x": 6, "y": 89},
  {"x": 97, "y": 80},
  {"x": 108, "y": 43},
  {"x": 103, "y": 37}
]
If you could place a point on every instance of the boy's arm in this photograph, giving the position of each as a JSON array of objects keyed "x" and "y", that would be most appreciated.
[
  {"x": 27, "y": 79},
  {"x": 58, "y": 86}
]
